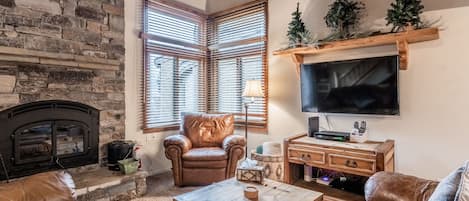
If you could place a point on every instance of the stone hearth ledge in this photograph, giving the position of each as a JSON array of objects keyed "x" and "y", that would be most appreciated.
[
  {"x": 109, "y": 185},
  {"x": 12, "y": 54}
]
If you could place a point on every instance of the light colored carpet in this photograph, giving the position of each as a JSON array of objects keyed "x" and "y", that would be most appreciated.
[{"x": 161, "y": 188}]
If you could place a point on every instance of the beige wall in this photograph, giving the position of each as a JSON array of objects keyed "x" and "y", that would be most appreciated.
[{"x": 431, "y": 132}]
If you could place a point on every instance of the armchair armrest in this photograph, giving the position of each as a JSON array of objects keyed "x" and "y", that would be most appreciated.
[
  {"x": 233, "y": 140},
  {"x": 178, "y": 140},
  {"x": 234, "y": 146},
  {"x": 175, "y": 146},
  {"x": 384, "y": 186}
]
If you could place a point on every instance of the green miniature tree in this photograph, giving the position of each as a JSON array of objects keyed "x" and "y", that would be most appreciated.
[
  {"x": 343, "y": 15},
  {"x": 297, "y": 32},
  {"x": 405, "y": 13}
]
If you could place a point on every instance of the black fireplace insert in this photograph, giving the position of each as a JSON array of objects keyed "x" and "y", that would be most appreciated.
[{"x": 47, "y": 135}]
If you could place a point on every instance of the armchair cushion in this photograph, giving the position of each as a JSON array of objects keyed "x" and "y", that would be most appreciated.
[
  {"x": 204, "y": 164},
  {"x": 179, "y": 140},
  {"x": 233, "y": 140},
  {"x": 205, "y": 154},
  {"x": 207, "y": 130}
]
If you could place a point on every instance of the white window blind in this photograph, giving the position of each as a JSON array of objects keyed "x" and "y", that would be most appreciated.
[
  {"x": 238, "y": 44},
  {"x": 174, "y": 65}
]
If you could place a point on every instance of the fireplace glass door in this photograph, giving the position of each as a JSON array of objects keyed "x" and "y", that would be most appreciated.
[
  {"x": 50, "y": 140},
  {"x": 71, "y": 138},
  {"x": 34, "y": 143}
]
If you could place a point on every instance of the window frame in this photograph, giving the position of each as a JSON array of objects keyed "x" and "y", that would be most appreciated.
[
  {"x": 261, "y": 128},
  {"x": 204, "y": 58},
  {"x": 188, "y": 15}
]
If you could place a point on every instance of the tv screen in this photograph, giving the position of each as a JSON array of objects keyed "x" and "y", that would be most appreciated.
[{"x": 361, "y": 86}]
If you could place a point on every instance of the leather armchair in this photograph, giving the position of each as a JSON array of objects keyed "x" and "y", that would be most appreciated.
[
  {"x": 206, "y": 151},
  {"x": 384, "y": 186}
]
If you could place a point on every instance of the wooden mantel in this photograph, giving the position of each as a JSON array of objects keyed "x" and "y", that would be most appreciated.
[
  {"x": 11, "y": 54},
  {"x": 401, "y": 40}
]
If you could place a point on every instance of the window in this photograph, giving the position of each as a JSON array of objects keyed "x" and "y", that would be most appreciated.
[
  {"x": 200, "y": 63},
  {"x": 238, "y": 44},
  {"x": 174, "y": 65}
]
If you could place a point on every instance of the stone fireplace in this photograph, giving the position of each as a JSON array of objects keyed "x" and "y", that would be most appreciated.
[
  {"x": 62, "y": 58},
  {"x": 48, "y": 135}
]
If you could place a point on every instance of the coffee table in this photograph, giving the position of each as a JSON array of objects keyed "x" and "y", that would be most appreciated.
[{"x": 233, "y": 190}]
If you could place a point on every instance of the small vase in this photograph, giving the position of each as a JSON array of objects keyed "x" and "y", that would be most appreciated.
[{"x": 409, "y": 27}]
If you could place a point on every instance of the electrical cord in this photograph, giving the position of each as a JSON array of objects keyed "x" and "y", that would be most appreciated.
[
  {"x": 4, "y": 168},
  {"x": 58, "y": 163}
]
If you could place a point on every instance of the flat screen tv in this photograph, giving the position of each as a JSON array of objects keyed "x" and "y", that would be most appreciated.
[{"x": 360, "y": 86}]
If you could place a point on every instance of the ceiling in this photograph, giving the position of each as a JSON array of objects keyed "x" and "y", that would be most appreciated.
[{"x": 212, "y": 6}]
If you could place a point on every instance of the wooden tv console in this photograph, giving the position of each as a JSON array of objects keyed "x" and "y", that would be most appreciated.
[{"x": 363, "y": 159}]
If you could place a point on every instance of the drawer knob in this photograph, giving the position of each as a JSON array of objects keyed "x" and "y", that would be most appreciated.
[
  {"x": 351, "y": 163},
  {"x": 305, "y": 157}
]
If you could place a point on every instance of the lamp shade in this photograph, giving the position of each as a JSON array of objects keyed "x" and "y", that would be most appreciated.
[{"x": 253, "y": 88}]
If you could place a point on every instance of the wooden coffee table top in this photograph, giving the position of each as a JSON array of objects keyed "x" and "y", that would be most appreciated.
[{"x": 233, "y": 190}]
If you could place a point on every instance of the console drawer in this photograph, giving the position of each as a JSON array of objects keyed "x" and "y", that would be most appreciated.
[
  {"x": 306, "y": 156},
  {"x": 352, "y": 163}
]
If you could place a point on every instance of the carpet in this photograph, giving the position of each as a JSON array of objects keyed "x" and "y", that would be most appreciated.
[{"x": 161, "y": 188}]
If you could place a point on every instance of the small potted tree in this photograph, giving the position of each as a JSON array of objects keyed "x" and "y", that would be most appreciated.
[
  {"x": 343, "y": 16},
  {"x": 404, "y": 15},
  {"x": 297, "y": 34}
]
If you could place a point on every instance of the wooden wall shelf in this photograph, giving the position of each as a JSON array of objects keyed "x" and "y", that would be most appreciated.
[{"x": 401, "y": 40}]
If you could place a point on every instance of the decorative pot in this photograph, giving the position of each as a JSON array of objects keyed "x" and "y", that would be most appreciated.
[{"x": 273, "y": 165}]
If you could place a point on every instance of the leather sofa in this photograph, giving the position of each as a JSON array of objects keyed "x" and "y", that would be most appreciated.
[
  {"x": 56, "y": 186},
  {"x": 206, "y": 151},
  {"x": 384, "y": 186}
]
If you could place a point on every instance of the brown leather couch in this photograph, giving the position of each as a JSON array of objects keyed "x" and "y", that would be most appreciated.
[
  {"x": 56, "y": 186},
  {"x": 206, "y": 151},
  {"x": 384, "y": 186}
]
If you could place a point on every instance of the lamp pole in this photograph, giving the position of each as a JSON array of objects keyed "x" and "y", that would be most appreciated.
[
  {"x": 252, "y": 89},
  {"x": 246, "y": 106}
]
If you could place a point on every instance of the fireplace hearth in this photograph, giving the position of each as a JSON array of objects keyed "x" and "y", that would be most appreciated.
[{"x": 48, "y": 135}]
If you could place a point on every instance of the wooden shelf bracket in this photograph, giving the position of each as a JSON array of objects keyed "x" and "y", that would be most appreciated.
[
  {"x": 298, "y": 59},
  {"x": 403, "y": 49}
]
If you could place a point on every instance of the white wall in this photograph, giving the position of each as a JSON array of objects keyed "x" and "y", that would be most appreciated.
[
  {"x": 431, "y": 132},
  {"x": 153, "y": 160}
]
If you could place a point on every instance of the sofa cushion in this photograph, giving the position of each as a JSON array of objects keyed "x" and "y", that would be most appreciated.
[
  {"x": 44, "y": 186},
  {"x": 387, "y": 186},
  {"x": 448, "y": 187},
  {"x": 207, "y": 130},
  {"x": 463, "y": 191},
  {"x": 205, "y": 154}
]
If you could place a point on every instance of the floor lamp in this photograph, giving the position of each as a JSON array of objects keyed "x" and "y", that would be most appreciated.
[{"x": 252, "y": 89}]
